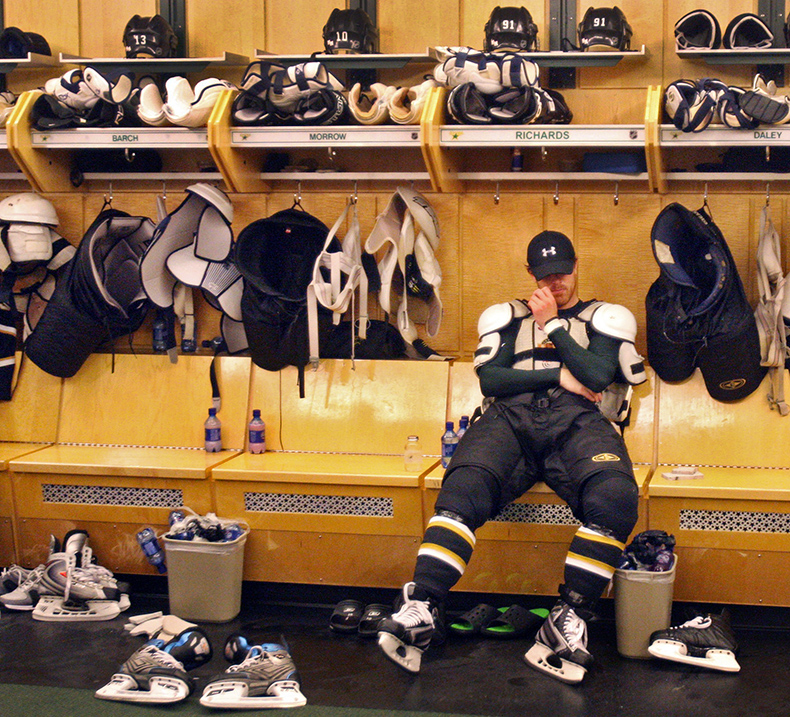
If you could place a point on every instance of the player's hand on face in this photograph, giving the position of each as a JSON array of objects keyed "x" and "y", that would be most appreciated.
[{"x": 543, "y": 305}]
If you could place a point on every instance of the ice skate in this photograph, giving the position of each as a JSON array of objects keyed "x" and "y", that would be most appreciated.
[
  {"x": 560, "y": 648},
  {"x": 11, "y": 578},
  {"x": 28, "y": 593},
  {"x": 705, "y": 641},
  {"x": 150, "y": 676},
  {"x": 407, "y": 634},
  {"x": 78, "y": 588},
  {"x": 266, "y": 678},
  {"x": 157, "y": 672}
]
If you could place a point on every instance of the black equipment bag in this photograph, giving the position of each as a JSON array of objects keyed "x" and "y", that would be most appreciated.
[
  {"x": 276, "y": 257},
  {"x": 697, "y": 312}
]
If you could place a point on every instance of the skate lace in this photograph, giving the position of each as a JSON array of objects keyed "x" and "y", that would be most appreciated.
[
  {"x": 33, "y": 578},
  {"x": 16, "y": 572},
  {"x": 95, "y": 574},
  {"x": 700, "y": 621},
  {"x": 255, "y": 656},
  {"x": 155, "y": 654},
  {"x": 575, "y": 630},
  {"x": 414, "y": 613}
]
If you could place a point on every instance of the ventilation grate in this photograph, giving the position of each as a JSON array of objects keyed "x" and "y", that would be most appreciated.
[
  {"x": 541, "y": 513},
  {"x": 739, "y": 521},
  {"x": 112, "y": 495},
  {"x": 359, "y": 506}
]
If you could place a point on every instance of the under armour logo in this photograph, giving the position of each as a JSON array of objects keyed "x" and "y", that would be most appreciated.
[{"x": 550, "y": 251}]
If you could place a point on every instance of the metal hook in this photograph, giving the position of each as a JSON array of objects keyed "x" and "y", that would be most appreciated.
[
  {"x": 332, "y": 154},
  {"x": 298, "y": 194},
  {"x": 354, "y": 198},
  {"x": 543, "y": 154},
  {"x": 164, "y": 190},
  {"x": 767, "y": 194},
  {"x": 616, "y": 193},
  {"x": 767, "y": 152},
  {"x": 496, "y": 194},
  {"x": 556, "y": 192},
  {"x": 128, "y": 155},
  {"x": 108, "y": 200}
]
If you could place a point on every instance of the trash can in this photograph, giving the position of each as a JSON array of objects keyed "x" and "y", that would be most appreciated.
[
  {"x": 204, "y": 579},
  {"x": 642, "y": 605}
]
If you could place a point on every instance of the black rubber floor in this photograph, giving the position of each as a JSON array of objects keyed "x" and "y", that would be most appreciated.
[{"x": 466, "y": 676}]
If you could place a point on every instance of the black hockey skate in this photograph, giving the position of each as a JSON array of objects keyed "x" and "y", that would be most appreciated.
[
  {"x": 156, "y": 673},
  {"x": 407, "y": 633},
  {"x": 705, "y": 641},
  {"x": 560, "y": 648},
  {"x": 266, "y": 678}
]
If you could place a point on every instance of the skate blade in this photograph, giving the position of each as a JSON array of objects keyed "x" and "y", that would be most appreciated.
[
  {"x": 162, "y": 690},
  {"x": 405, "y": 656},
  {"x": 715, "y": 658},
  {"x": 52, "y": 608},
  {"x": 544, "y": 660},
  {"x": 234, "y": 694}
]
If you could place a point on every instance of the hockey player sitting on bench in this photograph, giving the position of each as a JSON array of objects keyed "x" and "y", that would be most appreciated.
[{"x": 543, "y": 365}]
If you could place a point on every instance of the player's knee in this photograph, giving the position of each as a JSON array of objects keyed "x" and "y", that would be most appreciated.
[
  {"x": 610, "y": 499},
  {"x": 471, "y": 493}
]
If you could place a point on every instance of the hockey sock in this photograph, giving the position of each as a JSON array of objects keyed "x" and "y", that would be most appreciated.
[
  {"x": 443, "y": 555},
  {"x": 591, "y": 561}
]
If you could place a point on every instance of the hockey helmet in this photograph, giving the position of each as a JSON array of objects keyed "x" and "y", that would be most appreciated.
[
  {"x": 747, "y": 31},
  {"x": 149, "y": 37},
  {"x": 16, "y": 43},
  {"x": 28, "y": 208},
  {"x": 697, "y": 30},
  {"x": 604, "y": 28},
  {"x": 350, "y": 31},
  {"x": 510, "y": 29}
]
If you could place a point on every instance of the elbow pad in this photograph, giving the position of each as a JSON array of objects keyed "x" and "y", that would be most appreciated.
[
  {"x": 618, "y": 322},
  {"x": 491, "y": 322}
]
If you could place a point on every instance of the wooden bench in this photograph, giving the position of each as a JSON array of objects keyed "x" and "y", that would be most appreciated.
[
  {"x": 732, "y": 526},
  {"x": 129, "y": 449},
  {"x": 28, "y": 423},
  {"x": 333, "y": 503},
  {"x": 523, "y": 550}
]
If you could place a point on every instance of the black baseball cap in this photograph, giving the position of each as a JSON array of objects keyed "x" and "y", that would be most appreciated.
[{"x": 550, "y": 253}]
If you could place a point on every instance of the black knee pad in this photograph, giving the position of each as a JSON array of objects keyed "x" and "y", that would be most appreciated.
[
  {"x": 610, "y": 500},
  {"x": 471, "y": 493}
]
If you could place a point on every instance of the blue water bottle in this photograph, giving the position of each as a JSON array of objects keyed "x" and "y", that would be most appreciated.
[
  {"x": 449, "y": 442},
  {"x": 150, "y": 546}
]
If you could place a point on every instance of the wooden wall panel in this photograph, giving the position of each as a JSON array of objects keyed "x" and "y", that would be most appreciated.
[
  {"x": 235, "y": 26},
  {"x": 295, "y": 26},
  {"x": 616, "y": 261},
  {"x": 494, "y": 240},
  {"x": 102, "y": 24},
  {"x": 414, "y": 25},
  {"x": 55, "y": 21}
]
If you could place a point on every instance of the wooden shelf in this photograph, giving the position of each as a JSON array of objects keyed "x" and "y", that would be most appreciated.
[
  {"x": 768, "y": 56},
  {"x": 32, "y": 61},
  {"x": 351, "y": 62},
  {"x": 552, "y": 58},
  {"x": 165, "y": 65}
]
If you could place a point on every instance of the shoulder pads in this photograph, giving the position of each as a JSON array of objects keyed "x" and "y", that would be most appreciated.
[
  {"x": 498, "y": 316},
  {"x": 615, "y": 321}
]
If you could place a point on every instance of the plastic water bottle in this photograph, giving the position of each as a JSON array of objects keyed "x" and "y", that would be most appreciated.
[
  {"x": 150, "y": 546},
  {"x": 232, "y": 532},
  {"x": 463, "y": 424},
  {"x": 213, "y": 432},
  {"x": 664, "y": 561},
  {"x": 412, "y": 455},
  {"x": 517, "y": 160},
  {"x": 257, "y": 433},
  {"x": 449, "y": 442}
]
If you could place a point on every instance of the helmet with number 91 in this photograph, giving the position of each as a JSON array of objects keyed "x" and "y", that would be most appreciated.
[{"x": 510, "y": 29}]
